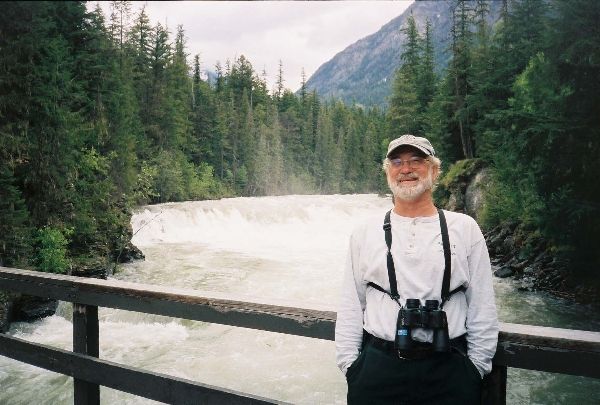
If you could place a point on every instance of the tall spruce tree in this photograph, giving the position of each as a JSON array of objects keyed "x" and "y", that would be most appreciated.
[
  {"x": 403, "y": 109},
  {"x": 460, "y": 72}
]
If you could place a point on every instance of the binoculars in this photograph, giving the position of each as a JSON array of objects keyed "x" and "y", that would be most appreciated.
[{"x": 430, "y": 316}]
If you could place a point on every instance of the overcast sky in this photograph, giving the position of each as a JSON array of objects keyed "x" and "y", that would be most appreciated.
[{"x": 300, "y": 33}]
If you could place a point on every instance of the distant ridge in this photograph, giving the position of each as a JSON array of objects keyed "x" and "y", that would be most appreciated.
[{"x": 364, "y": 71}]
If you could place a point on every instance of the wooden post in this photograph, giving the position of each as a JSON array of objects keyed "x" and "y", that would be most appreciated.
[
  {"x": 86, "y": 341},
  {"x": 494, "y": 386}
]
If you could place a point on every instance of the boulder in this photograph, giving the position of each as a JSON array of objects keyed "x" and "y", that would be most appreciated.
[
  {"x": 94, "y": 267},
  {"x": 29, "y": 308},
  {"x": 504, "y": 272},
  {"x": 129, "y": 254}
]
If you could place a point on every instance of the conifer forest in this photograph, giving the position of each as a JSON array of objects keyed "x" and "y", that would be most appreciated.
[{"x": 98, "y": 117}]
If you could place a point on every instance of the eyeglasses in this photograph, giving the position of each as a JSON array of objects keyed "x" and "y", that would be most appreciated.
[{"x": 414, "y": 162}]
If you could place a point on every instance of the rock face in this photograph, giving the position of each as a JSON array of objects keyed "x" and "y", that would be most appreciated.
[
  {"x": 364, "y": 71},
  {"x": 462, "y": 188},
  {"x": 474, "y": 193}
]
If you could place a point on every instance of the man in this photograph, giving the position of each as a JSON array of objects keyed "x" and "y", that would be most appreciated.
[{"x": 432, "y": 255}]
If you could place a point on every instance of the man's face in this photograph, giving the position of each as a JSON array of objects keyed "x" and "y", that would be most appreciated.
[{"x": 410, "y": 174}]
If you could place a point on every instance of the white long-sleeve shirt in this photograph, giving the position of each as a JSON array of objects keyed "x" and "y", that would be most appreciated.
[{"x": 418, "y": 256}]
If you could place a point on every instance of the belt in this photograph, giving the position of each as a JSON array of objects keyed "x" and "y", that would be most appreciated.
[{"x": 420, "y": 351}]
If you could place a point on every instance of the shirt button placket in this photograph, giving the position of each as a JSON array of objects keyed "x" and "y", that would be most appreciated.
[{"x": 411, "y": 244}]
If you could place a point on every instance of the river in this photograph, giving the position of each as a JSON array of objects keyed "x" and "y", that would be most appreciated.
[{"x": 289, "y": 247}]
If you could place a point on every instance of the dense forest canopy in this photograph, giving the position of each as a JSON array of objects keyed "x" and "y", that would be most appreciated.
[{"x": 98, "y": 115}]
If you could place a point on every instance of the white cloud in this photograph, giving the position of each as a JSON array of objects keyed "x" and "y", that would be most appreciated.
[{"x": 300, "y": 33}]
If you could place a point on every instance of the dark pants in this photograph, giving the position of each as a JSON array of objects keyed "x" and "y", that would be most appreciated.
[{"x": 379, "y": 377}]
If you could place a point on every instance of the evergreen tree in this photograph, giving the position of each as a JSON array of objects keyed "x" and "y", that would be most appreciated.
[
  {"x": 426, "y": 75},
  {"x": 203, "y": 119},
  {"x": 157, "y": 122},
  {"x": 279, "y": 87},
  {"x": 460, "y": 71},
  {"x": 179, "y": 99},
  {"x": 15, "y": 231},
  {"x": 574, "y": 51},
  {"x": 119, "y": 20},
  {"x": 403, "y": 117},
  {"x": 303, "y": 89},
  {"x": 140, "y": 47}
]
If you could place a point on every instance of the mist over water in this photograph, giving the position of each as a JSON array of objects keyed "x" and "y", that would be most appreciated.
[{"x": 290, "y": 248}]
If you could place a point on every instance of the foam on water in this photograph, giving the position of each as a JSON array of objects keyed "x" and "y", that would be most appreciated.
[{"x": 287, "y": 227}]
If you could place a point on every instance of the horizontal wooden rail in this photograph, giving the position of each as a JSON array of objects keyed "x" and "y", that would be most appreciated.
[
  {"x": 188, "y": 304},
  {"x": 564, "y": 351},
  {"x": 521, "y": 346},
  {"x": 156, "y": 386}
]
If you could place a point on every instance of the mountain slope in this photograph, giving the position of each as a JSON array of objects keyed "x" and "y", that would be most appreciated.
[{"x": 364, "y": 71}]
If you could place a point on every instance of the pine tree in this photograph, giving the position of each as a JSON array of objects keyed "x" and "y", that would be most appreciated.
[
  {"x": 15, "y": 231},
  {"x": 119, "y": 21},
  {"x": 426, "y": 75},
  {"x": 403, "y": 117},
  {"x": 140, "y": 47},
  {"x": 303, "y": 89},
  {"x": 411, "y": 56},
  {"x": 460, "y": 71},
  {"x": 156, "y": 123},
  {"x": 179, "y": 98},
  {"x": 203, "y": 119},
  {"x": 279, "y": 87}
]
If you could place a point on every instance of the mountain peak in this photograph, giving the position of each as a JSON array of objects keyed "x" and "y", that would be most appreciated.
[{"x": 363, "y": 72}]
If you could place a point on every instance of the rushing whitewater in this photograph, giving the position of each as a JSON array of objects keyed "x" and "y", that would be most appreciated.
[{"x": 290, "y": 248}]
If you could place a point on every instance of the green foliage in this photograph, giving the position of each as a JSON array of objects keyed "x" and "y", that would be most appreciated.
[
  {"x": 15, "y": 232},
  {"x": 458, "y": 174},
  {"x": 414, "y": 83},
  {"x": 144, "y": 191},
  {"x": 51, "y": 255},
  {"x": 99, "y": 116},
  {"x": 512, "y": 201},
  {"x": 459, "y": 171}
]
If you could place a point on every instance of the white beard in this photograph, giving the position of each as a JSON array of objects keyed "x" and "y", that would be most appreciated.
[{"x": 411, "y": 193}]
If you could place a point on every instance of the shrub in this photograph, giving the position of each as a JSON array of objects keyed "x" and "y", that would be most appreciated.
[{"x": 51, "y": 255}]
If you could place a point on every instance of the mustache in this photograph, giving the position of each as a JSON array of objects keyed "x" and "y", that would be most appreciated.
[{"x": 409, "y": 176}]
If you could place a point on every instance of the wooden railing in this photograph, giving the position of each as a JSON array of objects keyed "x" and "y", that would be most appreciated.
[{"x": 521, "y": 346}]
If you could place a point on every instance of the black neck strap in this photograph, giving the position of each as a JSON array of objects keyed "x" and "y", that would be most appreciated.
[
  {"x": 447, "y": 257},
  {"x": 446, "y": 293},
  {"x": 387, "y": 228}
]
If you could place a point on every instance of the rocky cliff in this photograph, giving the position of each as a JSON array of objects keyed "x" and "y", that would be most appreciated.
[{"x": 364, "y": 71}]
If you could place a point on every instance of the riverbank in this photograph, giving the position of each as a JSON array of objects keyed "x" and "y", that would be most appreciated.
[
  {"x": 527, "y": 258},
  {"x": 518, "y": 252}
]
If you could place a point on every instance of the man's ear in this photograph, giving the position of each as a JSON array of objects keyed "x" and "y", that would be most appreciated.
[{"x": 435, "y": 173}]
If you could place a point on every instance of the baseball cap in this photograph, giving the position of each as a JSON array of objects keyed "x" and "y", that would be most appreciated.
[{"x": 415, "y": 141}]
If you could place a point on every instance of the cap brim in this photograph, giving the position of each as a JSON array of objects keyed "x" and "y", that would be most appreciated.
[{"x": 425, "y": 151}]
